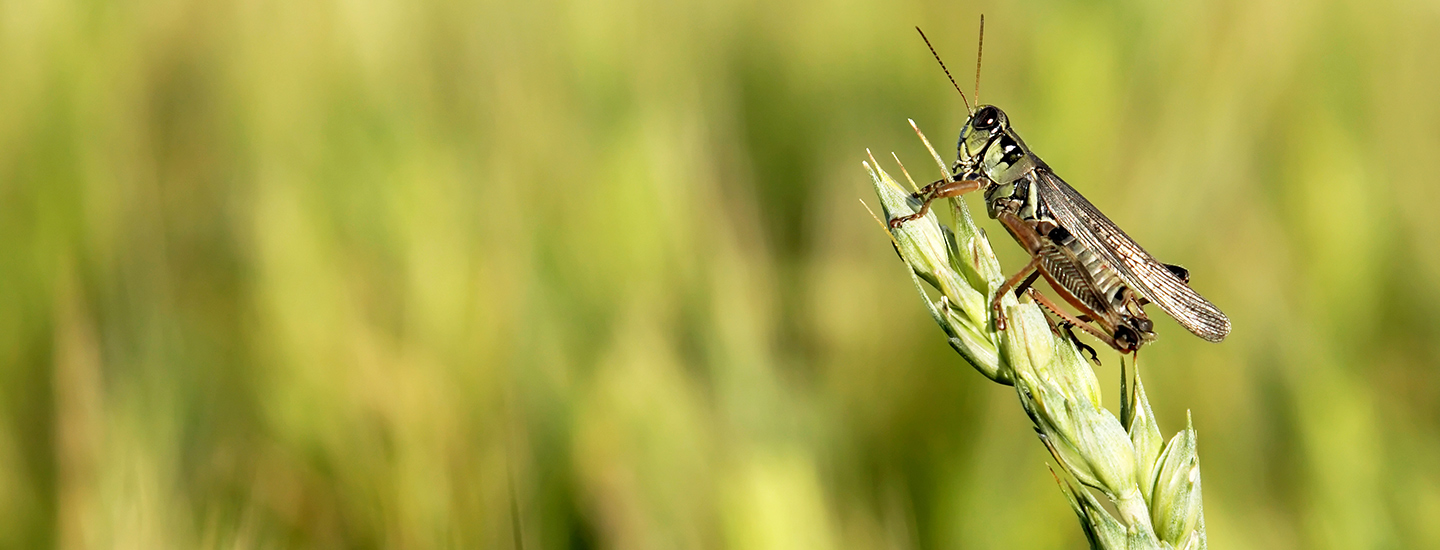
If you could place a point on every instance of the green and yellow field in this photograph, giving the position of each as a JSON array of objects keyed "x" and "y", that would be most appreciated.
[{"x": 594, "y": 273}]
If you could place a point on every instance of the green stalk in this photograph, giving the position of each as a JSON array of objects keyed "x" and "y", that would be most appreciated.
[{"x": 1155, "y": 486}]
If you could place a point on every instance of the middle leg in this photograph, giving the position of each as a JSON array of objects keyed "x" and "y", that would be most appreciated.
[{"x": 1009, "y": 284}]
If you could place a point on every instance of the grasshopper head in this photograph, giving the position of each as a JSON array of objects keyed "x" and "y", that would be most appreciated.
[
  {"x": 984, "y": 125},
  {"x": 990, "y": 147}
]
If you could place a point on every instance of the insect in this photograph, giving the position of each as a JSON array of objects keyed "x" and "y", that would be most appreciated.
[{"x": 1089, "y": 261}]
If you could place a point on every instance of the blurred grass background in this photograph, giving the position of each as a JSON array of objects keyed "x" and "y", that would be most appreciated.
[{"x": 592, "y": 273}]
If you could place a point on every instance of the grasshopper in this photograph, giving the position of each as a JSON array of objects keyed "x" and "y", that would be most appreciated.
[{"x": 1092, "y": 264}]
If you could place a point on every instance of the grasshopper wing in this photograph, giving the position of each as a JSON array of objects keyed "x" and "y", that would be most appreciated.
[{"x": 1135, "y": 266}]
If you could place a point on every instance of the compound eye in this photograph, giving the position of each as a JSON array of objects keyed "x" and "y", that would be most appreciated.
[{"x": 986, "y": 118}]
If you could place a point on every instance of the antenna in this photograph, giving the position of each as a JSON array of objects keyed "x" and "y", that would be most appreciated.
[
  {"x": 947, "y": 71},
  {"x": 979, "y": 52}
]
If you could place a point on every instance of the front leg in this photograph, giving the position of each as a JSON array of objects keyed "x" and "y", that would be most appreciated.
[{"x": 938, "y": 190}]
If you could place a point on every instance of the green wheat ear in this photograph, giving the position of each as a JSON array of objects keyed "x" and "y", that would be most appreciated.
[{"x": 1154, "y": 486}]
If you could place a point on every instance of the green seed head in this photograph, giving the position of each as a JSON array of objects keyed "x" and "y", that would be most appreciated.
[{"x": 1155, "y": 488}]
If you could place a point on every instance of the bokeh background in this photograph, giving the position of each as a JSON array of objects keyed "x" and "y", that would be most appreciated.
[{"x": 594, "y": 273}]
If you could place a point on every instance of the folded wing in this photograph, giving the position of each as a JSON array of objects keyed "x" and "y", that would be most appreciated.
[{"x": 1135, "y": 266}]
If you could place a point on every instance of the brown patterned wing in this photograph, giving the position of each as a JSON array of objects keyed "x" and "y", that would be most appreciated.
[{"x": 1135, "y": 266}]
